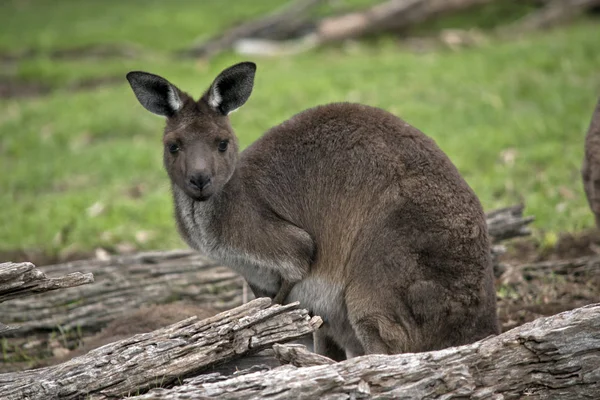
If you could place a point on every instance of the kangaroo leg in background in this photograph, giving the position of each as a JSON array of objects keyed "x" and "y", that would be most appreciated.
[
  {"x": 284, "y": 291},
  {"x": 324, "y": 345},
  {"x": 591, "y": 165}
]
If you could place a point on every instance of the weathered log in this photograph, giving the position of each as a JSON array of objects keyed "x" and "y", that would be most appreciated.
[
  {"x": 552, "y": 13},
  {"x": 24, "y": 279},
  {"x": 391, "y": 15},
  {"x": 582, "y": 267},
  {"x": 553, "y": 357},
  {"x": 288, "y": 19},
  {"x": 299, "y": 356},
  {"x": 122, "y": 285},
  {"x": 290, "y": 29},
  {"x": 164, "y": 356},
  {"x": 508, "y": 222},
  {"x": 590, "y": 171}
]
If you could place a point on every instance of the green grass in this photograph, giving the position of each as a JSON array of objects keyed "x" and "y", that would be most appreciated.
[{"x": 60, "y": 154}]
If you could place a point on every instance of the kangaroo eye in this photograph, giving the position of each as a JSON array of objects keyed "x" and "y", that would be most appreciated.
[
  {"x": 223, "y": 145},
  {"x": 173, "y": 148}
]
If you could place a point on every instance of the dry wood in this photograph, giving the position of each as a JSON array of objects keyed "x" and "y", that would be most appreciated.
[
  {"x": 582, "y": 268},
  {"x": 164, "y": 356},
  {"x": 299, "y": 356},
  {"x": 391, "y": 15},
  {"x": 289, "y": 30},
  {"x": 551, "y": 358},
  {"x": 590, "y": 171},
  {"x": 122, "y": 285},
  {"x": 553, "y": 13},
  {"x": 24, "y": 279},
  {"x": 280, "y": 22},
  {"x": 507, "y": 223}
]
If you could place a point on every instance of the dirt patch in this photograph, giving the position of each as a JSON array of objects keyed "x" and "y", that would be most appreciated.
[
  {"x": 10, "y": 88},
  {"x": 526, "y": 298},
  {"x": 14, "y": 88},
  {"x": 76, "y": 53}
]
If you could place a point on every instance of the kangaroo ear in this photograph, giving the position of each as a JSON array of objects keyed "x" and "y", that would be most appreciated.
[
  {"x": 156, "y": 94},
  {"x": 232, "y": 88}
]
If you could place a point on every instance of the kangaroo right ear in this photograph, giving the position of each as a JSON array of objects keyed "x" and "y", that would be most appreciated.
[
  {"x": 232, "y": 88},
  {"x": 156, "y": 94}
]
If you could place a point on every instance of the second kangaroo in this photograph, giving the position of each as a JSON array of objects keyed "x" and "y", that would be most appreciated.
[{"x": 344, "y": 207}]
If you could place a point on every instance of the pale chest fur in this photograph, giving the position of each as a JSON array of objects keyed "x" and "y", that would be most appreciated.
[{"x": 194, "y": 220}]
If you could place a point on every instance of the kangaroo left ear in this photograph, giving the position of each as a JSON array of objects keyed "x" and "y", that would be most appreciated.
[
  {"x": 232, "y": 88},
  {"x": 155, "y": 93}
]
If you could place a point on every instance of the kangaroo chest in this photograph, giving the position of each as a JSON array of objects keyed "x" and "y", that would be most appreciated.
[{"x": 193, "y": 219}]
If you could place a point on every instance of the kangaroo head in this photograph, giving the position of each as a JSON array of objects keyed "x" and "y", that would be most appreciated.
[{"x": 200, "y": 147}]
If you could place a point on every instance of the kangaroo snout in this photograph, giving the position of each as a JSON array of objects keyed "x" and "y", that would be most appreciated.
[{"x": 199, "y": 180}]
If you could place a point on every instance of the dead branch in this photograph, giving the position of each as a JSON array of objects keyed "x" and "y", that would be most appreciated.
[
  {"x": 125, "y": 283},
  {"x": 299, "y": 356},
  {"x": 287, "y": 19},
  {"x": 507, "y": 223},
  {"x": 122, "y": 285},
  {"x": 553, "y": 13},
  {"x": 290, "y": 30},
  {"x": 162, "y": 357},
  {"x": 553, "y": 357},
  {"x": 24, "y": 279},
  {"x": 389, "y": 16},
  {"x": 590, "y": 171}
]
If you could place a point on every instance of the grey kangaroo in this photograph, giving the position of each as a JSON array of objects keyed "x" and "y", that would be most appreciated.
[{"x": 345, "y": 208}]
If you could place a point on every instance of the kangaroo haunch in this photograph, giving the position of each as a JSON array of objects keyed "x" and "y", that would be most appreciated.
[{"x": 344, "y": 207}]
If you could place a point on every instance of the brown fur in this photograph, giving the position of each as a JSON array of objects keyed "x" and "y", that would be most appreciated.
[
  {"x": 591, "y": 165},
  {"x": 359, "y": 213}
]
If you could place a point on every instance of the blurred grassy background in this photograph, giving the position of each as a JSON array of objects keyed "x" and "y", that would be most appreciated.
[{"x": 81, "y": 169}]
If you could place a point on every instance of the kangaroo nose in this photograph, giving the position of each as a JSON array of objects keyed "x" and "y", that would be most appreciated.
[{"x": 199, "y": 181}]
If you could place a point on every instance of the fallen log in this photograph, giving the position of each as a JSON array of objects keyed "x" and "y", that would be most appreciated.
[
  {"x": 124, "y": 283},
  {"x": 24, "y": 279},
  {"x": 554, "y": 12},
  {"x": 590, "y": 171},
  {"x": 290, "y": 30},
  {"x": 164, "y": 356},
  {"x": 282, "y": 21},
  {"x": 553, "y": 357}
]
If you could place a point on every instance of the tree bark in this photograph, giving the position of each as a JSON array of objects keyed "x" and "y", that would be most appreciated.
[
  {"x": 164, "y": 356},
  {"x": 590, "y": 172},
  {"x": 264, "y": 35},
  {"x": 556, "y": 357},
  {"x": 24, "y": 279},
  {"x": 283, "y": 21},
  {"x": 553, "y": 13},
  {"x": 124, "y": 283}
]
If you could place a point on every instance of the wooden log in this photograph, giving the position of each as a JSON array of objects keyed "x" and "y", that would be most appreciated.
[
  {"x": 24, "y": 279},
  {"x": 123, "y": 284},
  {"x": 286, "y": 19},
  {"x": 391, "y": 15},
  {"x": 552, "y": 13},
  {"x": 164, "y": 356},
  {"x": 581, "y": 268},
  {"x": 508, "y": 222},
  {"x": 299, "y": 356},
  {"x": 590, "y": 171},
  {"x": 556, "y": 357}
]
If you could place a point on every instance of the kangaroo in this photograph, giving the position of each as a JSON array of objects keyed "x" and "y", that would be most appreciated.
[
  {"x": 590, "y": 171},
  {"x": 344, "y": 207}
]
